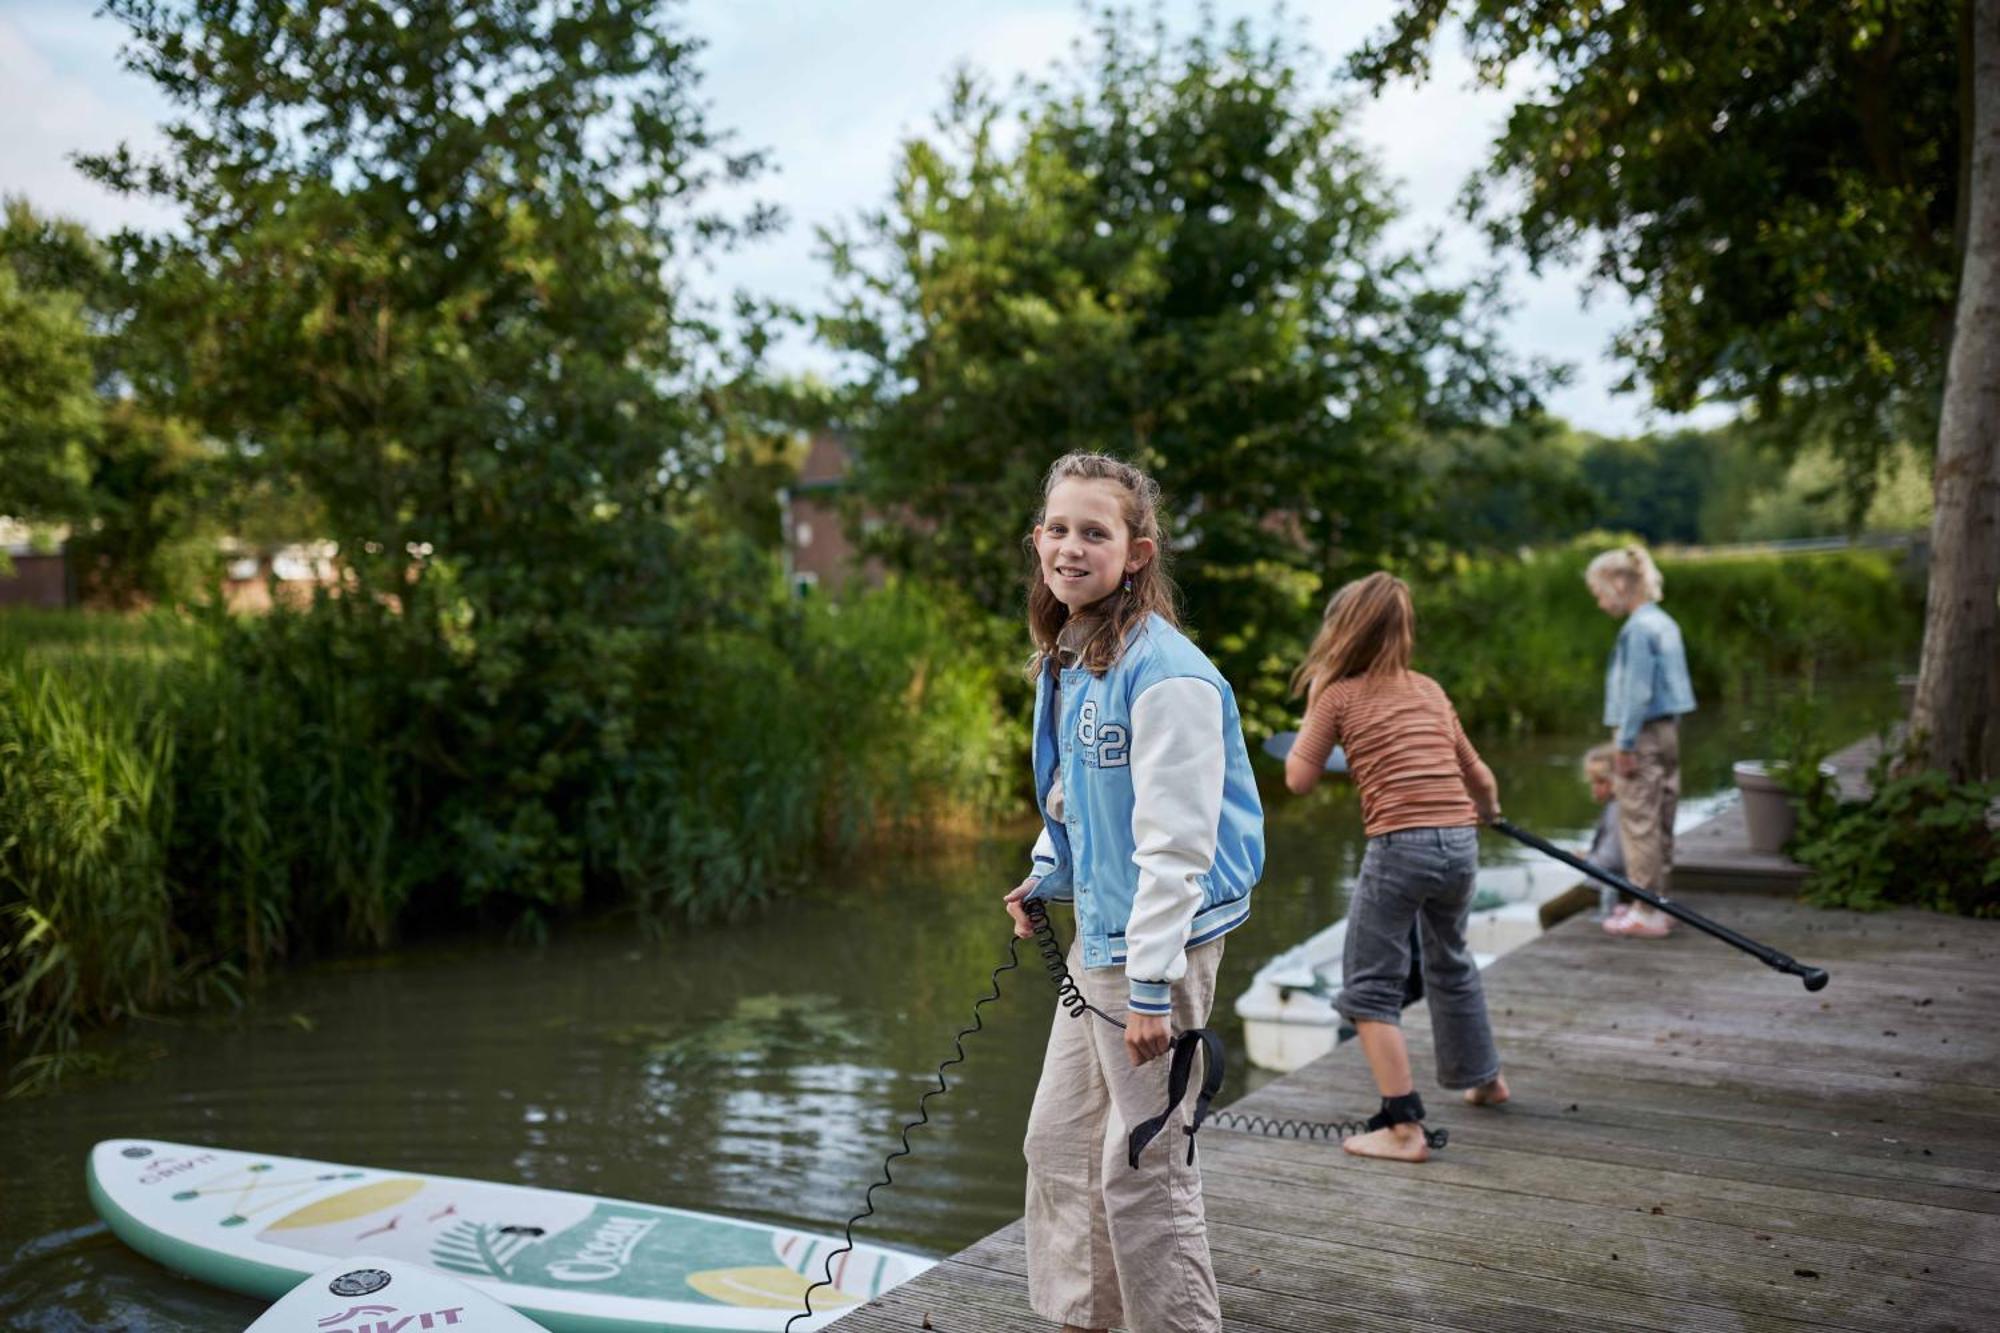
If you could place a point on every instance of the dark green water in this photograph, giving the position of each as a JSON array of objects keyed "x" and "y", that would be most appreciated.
[{"x": 757, "y": 1069}]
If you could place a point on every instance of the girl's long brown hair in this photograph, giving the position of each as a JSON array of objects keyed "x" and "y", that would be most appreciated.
[
  {"x": 1152, "y": 591},
  {"x": 1370, "y": 629}
]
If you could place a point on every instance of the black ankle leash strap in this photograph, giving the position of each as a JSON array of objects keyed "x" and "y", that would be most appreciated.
[
  {"x": 1404, "y": 1110},
  {"x": 1178, "y": 1076}
]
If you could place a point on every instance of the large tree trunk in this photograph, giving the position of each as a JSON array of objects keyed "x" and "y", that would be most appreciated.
[{"x": 1957, "y": 695}]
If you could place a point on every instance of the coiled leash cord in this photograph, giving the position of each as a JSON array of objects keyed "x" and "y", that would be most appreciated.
[
  {"x": 1406, "y": 1109},
  {"x": 1071, "y": 998},
  {"x": 1403, "y": 1110},
  {"x": 1395, "y": 1110},
  {"x": 1185, "y": 1044}
]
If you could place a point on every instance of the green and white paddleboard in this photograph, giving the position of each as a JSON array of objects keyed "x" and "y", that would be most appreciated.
[
  {"x": 370, "y": 1294},
  {"x": 574, "y": 1263}
]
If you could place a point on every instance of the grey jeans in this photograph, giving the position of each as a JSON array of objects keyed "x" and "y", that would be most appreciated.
[{"x": 1424, "y": 875}]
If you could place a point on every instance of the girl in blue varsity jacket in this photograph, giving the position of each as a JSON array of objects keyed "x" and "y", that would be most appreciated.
[{"x": 1153, "y": 833}]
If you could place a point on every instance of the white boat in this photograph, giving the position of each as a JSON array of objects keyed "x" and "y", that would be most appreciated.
[{"x": 1288, "y": 1014}]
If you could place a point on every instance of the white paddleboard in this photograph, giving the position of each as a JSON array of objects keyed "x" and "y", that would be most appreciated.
[
  {"x": 371, "y": 1294},
  {"x": 573, "y": 1263}
]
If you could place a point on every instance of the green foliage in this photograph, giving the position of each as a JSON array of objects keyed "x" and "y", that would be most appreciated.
[
  {"x": 798, "y": 727},
  {"x": 427, "y": 292},
  {"x": 49, "y": 411},
  {"x": 1919, "y": 840},
  {"x": 133, "y": 486},
  {"x": 1653, "y": 486},
  {"x": 1514, "y": 485},
  {"x": 150, "y": 534},
  {"x": 184, "y": 804},
  {"x": 1775, "y": 186},
  {"x": 88, "y": 815},
  {"x": 1535, "y": 481},
  {"x": 1519, "y": 644},
  {"x": 428, "y": 281},
  {"x": 1173, "y": 251}
]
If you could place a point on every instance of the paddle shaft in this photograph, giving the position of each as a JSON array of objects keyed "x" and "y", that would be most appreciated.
[{"x": 1814, "y": 978}]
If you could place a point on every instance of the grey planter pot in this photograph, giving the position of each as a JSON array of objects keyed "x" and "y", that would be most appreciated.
[{"x": 1769, "y": 813}]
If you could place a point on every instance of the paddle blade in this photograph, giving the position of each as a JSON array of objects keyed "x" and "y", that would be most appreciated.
[{"x": 1279, "y": 745}]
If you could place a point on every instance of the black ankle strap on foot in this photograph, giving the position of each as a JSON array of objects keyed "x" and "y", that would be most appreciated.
[
  {"x": 1407, "y": 1109},
  {"x": 1403, "y": 1110}
]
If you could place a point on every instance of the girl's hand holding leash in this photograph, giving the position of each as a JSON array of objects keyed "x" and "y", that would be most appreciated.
[
  {"x": 1147, "y": 1036},
  {"x": 1022, "y": 928}
]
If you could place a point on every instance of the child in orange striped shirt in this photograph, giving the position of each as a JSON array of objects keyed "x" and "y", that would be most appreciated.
[{"x": 1424, "y": 791}]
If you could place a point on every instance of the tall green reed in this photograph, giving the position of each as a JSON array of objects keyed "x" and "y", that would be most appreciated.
[{"x": 86, "y": 818}]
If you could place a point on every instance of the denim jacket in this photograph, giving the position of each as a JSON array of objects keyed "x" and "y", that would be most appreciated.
[
  {"x": 1648, "y": 674},
  {"x": 1161, "y": 834}
]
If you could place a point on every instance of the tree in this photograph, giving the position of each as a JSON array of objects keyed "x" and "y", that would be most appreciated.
[
  {"x": 1774, "y": 186},
  {"x": 1520, "y": 483},
  {"x": 1787, "y": 192},
  {"x": 1958, "y": 686},
  {"x": 426, "y": 276},
  {"x": 50, "y": 415},
  {"x": 1652, "y": 485},
  {"x": 132, "y": 486},
  {"x": 1170, "y": 250}
]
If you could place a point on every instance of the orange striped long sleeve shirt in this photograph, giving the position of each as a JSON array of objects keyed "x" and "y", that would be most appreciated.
[{"x": 1405, "y": 749}]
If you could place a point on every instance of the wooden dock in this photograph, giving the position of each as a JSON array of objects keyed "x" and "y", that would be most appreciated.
[{"x": 1695, "y": 1142}]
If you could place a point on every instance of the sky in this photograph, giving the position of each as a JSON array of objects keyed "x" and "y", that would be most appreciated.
[{"x": 832, "y": 89}]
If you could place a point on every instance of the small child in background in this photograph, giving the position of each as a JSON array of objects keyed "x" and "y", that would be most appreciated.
[
  {"x": 1606, "y": 852},
  {"x": 1646, "y": 693}
]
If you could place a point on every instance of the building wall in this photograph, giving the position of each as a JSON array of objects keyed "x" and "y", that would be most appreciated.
[
  {"x": 822, "y": 553},
  {"x": 37, "y": 580}
]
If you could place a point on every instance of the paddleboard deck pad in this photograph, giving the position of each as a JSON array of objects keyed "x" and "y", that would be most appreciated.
[
  {"x": 574, "y": 1263},
  {"x": 371, "y": 1294}
]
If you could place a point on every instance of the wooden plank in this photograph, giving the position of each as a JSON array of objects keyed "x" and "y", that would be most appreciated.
[
  {"x": 1364, "y": 1194},
  {"x": 1754, "y": 1157}
]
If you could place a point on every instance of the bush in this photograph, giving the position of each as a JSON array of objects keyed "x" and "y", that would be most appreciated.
[
  {"x": 808, "y": 726},
  {"x": 1919, "y": 840},
  {"x": 1520, "y": 646}
]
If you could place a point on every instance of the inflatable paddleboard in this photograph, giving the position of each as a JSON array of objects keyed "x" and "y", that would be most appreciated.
[
  {"x": 370, "y": 1294},
  {"x": 573, "y": 1263}
]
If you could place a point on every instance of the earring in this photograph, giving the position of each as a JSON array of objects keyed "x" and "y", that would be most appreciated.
[{"x": 1128, "y": 583}]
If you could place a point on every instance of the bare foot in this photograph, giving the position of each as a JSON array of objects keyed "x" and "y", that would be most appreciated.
[
  {"x": 1488, "y": 1094},
  {"x": 1400, "y": 1143}
]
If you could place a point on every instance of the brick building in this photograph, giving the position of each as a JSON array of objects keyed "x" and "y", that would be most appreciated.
[{"x": 820, "y": 554}]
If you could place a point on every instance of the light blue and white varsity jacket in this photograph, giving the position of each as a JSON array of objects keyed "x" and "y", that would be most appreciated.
[
  {"x": 1648, "y": 674},
  {"x": 1157, "y": 835}
]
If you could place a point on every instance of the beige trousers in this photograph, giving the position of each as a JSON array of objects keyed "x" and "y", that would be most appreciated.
[
  {"x": 1646, "y": 803},
  {"x": 1107, "y": 1244}
]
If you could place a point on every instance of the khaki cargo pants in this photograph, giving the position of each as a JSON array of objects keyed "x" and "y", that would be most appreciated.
[
  {"x": 1647, "y": 800},
  {"x": 1109, "y": 1245}
]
